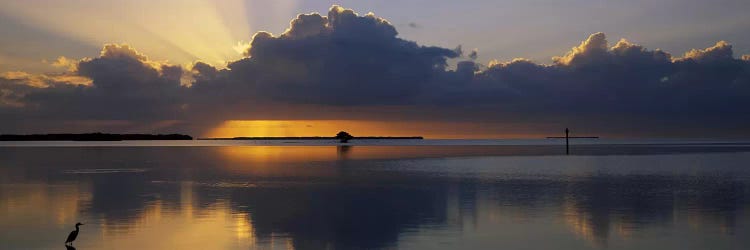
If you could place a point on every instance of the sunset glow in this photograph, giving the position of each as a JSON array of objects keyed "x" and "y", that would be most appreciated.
[
  {"x": 350, "y": 124},
  {"x": 329, "y": 128},
  {"x": 181, "y": 31},
  {"x": 312, "y": 68}
]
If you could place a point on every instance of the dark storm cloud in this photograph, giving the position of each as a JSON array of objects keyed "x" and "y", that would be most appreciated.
[
  {"x": 12, "y": 93},
  {"x": 339, "y": 59},
  {"x": 625, "y": 79},
  {"x": 322, "y": 64},
  {"x": 124, "y": 85},
  {"x": 16, "y": 85}
]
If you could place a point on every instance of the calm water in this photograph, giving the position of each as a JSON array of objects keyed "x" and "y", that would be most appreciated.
[{"x": 415, "y": 195}]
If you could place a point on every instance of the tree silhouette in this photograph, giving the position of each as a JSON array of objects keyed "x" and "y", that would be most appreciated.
[{"x": 344, "y": 137}]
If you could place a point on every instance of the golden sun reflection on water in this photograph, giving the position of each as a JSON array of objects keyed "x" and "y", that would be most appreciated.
[
  {"x": 585, "y": 226},
  {"x": 268, "y": 161},
  {"x": 21, "y": 202},
  {"x": 296, "y": 154},
  {"x": 175, "y": 204},
  {"x": 155, "y": 226},
  {"x": 158, "y": 228}
]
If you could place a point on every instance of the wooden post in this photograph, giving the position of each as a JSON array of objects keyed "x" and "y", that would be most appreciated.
[
  {"x": 567, "y": 143},
  {"x": 567, "y": 138}
]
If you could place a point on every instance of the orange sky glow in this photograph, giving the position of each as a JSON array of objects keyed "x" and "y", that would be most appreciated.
[{"x": 295, "y": 128}]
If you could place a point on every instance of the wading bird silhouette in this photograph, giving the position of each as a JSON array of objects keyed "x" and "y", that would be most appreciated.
[{"x": 72, "y": 236}]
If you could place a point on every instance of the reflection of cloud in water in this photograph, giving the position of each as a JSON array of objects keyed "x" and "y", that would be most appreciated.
[
  {"x": 352, "y": 217},
  {"x": 595, "y": 206},
  {"x": 368, "y": 215},
  {"x": 714, "y": 203},
  {"x": 181, "y": 224},
  {"x": 40, "y": 209},
  {"x": 197, "y": 191},
  {"x": 61, "y": 203},
  {"x": 105, "y": 171}
]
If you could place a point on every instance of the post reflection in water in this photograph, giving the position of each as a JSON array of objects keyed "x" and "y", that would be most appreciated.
[{"x": 344, "y": 197}]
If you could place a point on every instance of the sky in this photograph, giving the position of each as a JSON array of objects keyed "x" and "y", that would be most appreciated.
[{"x": 442, "y": 69}]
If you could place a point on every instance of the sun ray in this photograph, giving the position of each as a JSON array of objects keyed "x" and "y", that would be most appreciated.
[{"x": 180, "y": 31}]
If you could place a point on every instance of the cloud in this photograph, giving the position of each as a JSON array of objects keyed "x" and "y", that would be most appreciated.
[
  {"x": 44, "y": 80},
  {"x": 12, "y": 93},
  {"x": 344, "y": 65},
  {"x": 594, "y": 47},
  {"x": 339, "y": 59},
  {"x": 474, "y": 54},
  {"x": 67, "y": 63},
  {"x": 721, "y": 51},
  {"x": 16, "y": 85},
  {"x": 628, "y": 79},
  {"x": 119, "y": 84},
  {"x": 25, "y": 78}
]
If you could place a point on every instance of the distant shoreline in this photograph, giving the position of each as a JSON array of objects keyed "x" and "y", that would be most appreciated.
[
  {"x": 318, "y": 138},
  {"x": 95, "y": 137}
]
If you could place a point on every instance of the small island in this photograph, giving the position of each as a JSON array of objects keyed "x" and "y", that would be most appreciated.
[
  {"x": 94, "y": 137},
  {"x": 342, "y": 136}
]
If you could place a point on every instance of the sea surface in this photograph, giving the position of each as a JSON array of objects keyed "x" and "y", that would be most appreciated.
[{"x": 377, "y": 194}]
